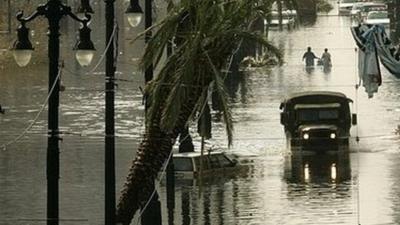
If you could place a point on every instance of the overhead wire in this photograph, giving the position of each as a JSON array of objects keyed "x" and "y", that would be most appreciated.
[
  {"x": 35, "y": 119},
  {"x": 62, "y": 67}
]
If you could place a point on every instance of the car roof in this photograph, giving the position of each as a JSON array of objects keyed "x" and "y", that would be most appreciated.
[
  {"x": 358, "y": 4},
  {"x": 379, "y": 6},
  {"x": 373, "y": 3},
  {"x": 376, "y": 12},
  {"x": 194, "y": 154}
]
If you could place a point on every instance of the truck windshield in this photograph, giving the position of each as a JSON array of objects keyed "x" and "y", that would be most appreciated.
[{"x": 310, "y": 115}]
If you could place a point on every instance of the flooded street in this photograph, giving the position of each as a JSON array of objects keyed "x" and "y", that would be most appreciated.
[{"x": 277, "y": 187}]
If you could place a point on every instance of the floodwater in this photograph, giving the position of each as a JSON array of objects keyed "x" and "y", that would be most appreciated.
[{"x": 362, "y": 187}]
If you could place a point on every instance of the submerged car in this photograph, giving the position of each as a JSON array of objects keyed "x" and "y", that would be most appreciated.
[
  {"x": 377, "y": 17},
  {"x": 355, "y": 12},
  {"x": 317, "y": 120},
  {"x": 345, "y": 6},
  {"x": 187, "y": 165},
  {"x": 288, "y": 19},
  {"x": 372, "y": 6}
]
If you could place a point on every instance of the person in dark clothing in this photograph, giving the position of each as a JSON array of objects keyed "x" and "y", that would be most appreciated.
[
  {"x": 309, "y": 56},
  {"x": 1, "y": 110}
]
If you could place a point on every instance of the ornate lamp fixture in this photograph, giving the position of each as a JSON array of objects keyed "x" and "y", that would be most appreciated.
[{"x": 134, "y": 13}]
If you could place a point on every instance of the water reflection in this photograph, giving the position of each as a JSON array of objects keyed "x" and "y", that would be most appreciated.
[
  {"x": 185, "y": 206},
  {"x": 309, "y": 69},
  {"x": 208, "y": 206},
  {"x": 321, "y": 186},
  {"x": 237, "y": 86},
  {"x": 208, "y": 201},
  {"x": 329, "y": 168},
  {"x": 327, "y": 70}
]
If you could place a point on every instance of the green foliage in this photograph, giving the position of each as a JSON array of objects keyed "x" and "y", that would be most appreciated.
[{"x": 206, "y": 33}]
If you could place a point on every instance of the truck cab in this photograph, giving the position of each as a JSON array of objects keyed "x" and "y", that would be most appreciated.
[{"x": 317, "y": 120}]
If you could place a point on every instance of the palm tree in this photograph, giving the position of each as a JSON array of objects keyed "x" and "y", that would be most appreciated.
[{"x": 207, "y": 33}]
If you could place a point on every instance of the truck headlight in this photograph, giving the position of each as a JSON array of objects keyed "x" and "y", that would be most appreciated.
[
  {"x": 306, "y": 136},
  {"x": 333, "y": 136}
]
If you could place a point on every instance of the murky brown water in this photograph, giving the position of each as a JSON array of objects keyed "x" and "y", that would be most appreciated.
[{"x": 278, "y": 188}]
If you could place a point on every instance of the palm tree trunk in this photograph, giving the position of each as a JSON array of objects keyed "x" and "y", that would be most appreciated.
[{"x": 153, "y": 151}]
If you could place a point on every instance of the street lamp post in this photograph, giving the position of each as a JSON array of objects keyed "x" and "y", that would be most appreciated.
[
  {"x": 110, "y": 118},
  {"x": 54, "y": 11},
  {"x": 148, "y": 22},
  {"x": 84, "y": 8},
  {"x": 134, "y": 15}
]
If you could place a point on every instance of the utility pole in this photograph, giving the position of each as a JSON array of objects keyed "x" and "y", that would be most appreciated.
[
  {"x": 110, "y": 116},
  {"x": 148, "y": 22}
]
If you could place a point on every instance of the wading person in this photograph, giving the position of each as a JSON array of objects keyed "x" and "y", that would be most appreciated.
[
  {"x": 309, "y": 56},
  {"x": 326, "y": 59}
]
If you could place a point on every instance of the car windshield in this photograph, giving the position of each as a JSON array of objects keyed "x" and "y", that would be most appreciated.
[
  {"x": 312, "y": 115},
  {"x": 224, "y": 161},
  {"x": 377, "y": 15},
  {"x": 183, "y": 164}
]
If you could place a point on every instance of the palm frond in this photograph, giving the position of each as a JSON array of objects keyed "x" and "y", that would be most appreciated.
[
  {"x": 165, "y": 33},
  {"x": 199, "y": 104},
  {"x": 208, "y": 33},
  {"x": 221, "y": 93}
]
